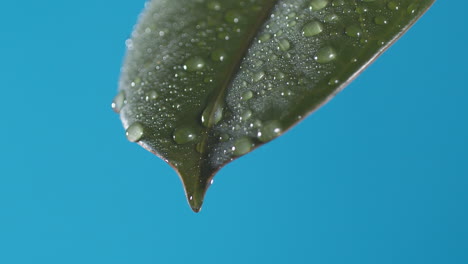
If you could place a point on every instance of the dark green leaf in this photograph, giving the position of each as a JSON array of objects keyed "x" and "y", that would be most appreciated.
[{"x": 205, "y": 82}]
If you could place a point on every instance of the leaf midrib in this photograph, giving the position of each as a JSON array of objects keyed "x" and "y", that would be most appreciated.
[{"x": 220, "y": 93}]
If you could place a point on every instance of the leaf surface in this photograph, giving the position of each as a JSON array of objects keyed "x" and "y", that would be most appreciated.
[{"x": 205, "y": 82}]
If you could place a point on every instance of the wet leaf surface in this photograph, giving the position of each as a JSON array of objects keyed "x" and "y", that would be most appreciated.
[{"x": 205, "y": 82}]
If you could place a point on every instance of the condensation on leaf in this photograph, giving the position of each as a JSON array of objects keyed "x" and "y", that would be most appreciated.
[{"x": 205, "y": 82}]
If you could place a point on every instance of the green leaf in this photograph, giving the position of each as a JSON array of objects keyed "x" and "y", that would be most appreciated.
[{"x": 205, "y": 82}]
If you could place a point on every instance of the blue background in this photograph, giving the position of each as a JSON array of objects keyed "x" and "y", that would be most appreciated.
[{"x": 378, "y": 175}]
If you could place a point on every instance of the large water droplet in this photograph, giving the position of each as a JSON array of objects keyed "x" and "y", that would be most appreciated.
[
  {"x": 135, "y": 132},
  {"x": 264, "y": 37},
  {"x": 242, "y": 146},
  {"x": 284, "y": 44},
  {"x": 184, "y": 135},
  {"x": 325, "y": 55},
  {"x": 246, "y": 115},
  {"x": 151, "y": 95},
  {"x": 312, "y": 28},
  {"x": 212, "y": 114},
  {"x": 118, "y": 102},
  {"x": 194, "y": 64},
  {"x": 279, "y": 75},
  {"x": 269, "y": 131},
  {"x": 316, "y": 5},
  {"x": 258, "y": 76},
  {"x": 331, "y": 18},
  {"x": 246, "y": 95},
  {"x": 353, "y": 31}
]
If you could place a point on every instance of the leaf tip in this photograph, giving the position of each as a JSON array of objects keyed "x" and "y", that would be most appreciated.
[
  {"x": 195, "y": 204},
  {"x": 195, "y": 198},
  {"x": 195, "y": 190}
]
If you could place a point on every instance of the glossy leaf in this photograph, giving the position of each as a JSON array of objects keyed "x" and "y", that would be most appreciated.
[{"x": 205, "y": 82}]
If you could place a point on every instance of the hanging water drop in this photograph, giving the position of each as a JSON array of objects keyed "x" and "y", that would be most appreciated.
[
  {"x": 118, "y": 102},
  {"x": 135, "y": 132}
]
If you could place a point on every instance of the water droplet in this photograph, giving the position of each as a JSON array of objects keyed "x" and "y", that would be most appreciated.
[
  {"x": 223, "y": 35},
  {"x": 118, "y": 102},
  {"x": 285, "y": 92},
  {"x": 284, "y": 44},
  {"x": 214, "y": 5},
  {"x": 212, "y": 114},
  {"x": 311, "y": 29},
  {"x": 269, "y": 131},
  {"x": 242, "y": 146},
  {"x": 280, "y": 75},
  {"x": 208, "y": 79},
  {"x": 264, "y": 37},
  {"x": 233, "y": 16},
  {"x": 223, "y": 137},
  {"x": 257, "y": 63},
  {"x": 330, "y": 18},
  {"x": 412, "y": 8},
  {"x": 338, "y": 3},
  {"x": 201, "y": 147},
  {"x": 353, "y": 31},
  {"x": 333, "y": 81},
  {"x": 184, "y": 135},
  {"x": 258, "y": 76},
  {"x": 194, "y": 64},
  {"x": 246, "y": 95},
  {"x": 246, "y": 115},
  {"x": 380, "y": 20},
  {"x": 361, "y": 9},
  {"x": 316, "y": 5},
  {"x": 325, "y": 55},
  {"x": 135, "y": 132},
  {"x": 218, "y": 55},
  {"x": 151, "y": 95},
  {"x": 392, "y": 5}
]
